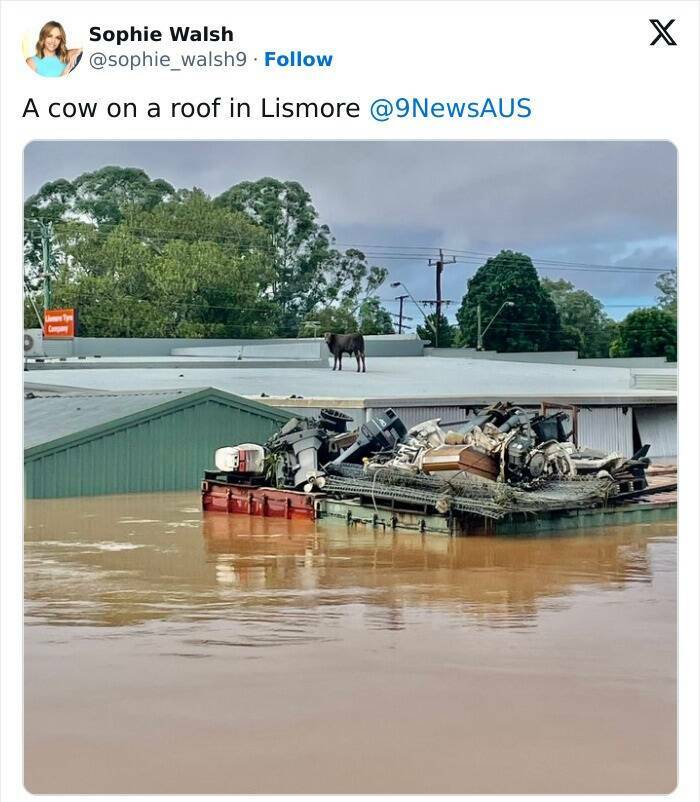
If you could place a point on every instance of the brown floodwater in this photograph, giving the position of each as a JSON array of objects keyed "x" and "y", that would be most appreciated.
[{"x": 167, "y": 651}]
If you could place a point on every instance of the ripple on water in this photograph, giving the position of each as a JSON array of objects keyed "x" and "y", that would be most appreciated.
[{"x": 107, "y": 545}]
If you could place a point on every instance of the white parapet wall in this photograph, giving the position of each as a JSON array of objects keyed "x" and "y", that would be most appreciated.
[
  {"x": 376, "y": 345},
  {"x": 552, "y": 358},
  {"x": 291, "y": 349}
]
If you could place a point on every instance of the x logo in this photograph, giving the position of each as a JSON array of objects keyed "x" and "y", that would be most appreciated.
[{"x": 662, "y": 32}]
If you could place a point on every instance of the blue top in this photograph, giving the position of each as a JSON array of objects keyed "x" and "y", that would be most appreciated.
[{"x": 49, "y": 66}]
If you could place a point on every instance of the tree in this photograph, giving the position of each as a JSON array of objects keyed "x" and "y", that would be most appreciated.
[
  {"x": 49, "y": 205},
  {"x": 667, "y": 286},
  {"x": 646, "y": 332},
  {"x": 97, "y": 200},
  {"x": 447, "y": 331},
  {"x": 32, "y": 313},
  {"x": 104, "y": 310},
  {"x": 335, "y": 319},
  {"x": 585, "y": 326},
  {"x": 108, "y": 195},
  {"x": 183, "y": 269},
  {"x": 531, "y": 324},
  {"x": 374, "y": 318},
  {"x": 347, "y": 276},
  {"x": 308, "y": 270},
  {"x": 140, "y": 258}
]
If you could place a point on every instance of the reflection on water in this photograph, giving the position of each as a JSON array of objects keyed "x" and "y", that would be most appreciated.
[
  {"x": 405, "y": 629},
  {"x": 122, "y": 561}
]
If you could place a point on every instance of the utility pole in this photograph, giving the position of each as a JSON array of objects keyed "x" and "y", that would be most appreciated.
[
  {"x": 28, "y": 291},
  {"x": 46, "y": 234},
  {"x": 401, "y": 299},
  {"x": 409, "y": 294},
  {"x": 400, "y": 318},
  {"x": 439, "y": 265}
]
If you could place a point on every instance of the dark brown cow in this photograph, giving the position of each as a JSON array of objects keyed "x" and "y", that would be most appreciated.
[{"x": 339, "y": 344}]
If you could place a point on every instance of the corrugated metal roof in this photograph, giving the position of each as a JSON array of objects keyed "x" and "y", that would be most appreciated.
[
  {"x": 47, "y": 418},
  {"x": 52, "y": 418}
]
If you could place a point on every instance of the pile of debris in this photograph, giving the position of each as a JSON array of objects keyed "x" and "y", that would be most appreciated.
[{"x": 503, "y": 460}]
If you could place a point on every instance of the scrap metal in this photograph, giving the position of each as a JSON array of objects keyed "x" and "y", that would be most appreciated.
[{"x": 502, "y": 461}]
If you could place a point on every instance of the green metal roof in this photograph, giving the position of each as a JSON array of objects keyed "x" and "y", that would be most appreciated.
[
  {"x": 53, "y": 417},
  {"x": 54, "y": 422}
]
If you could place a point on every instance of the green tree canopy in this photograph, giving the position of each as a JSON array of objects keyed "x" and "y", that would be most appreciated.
[
  {"x": 447, "y": 331},
  {"x": 308, "y": 270},
  {"x": 108, "y": 195},
  {"x": 335, "y": 319},
  {"x": 48, "y": 206},
  {"x": 96, "y": 200},
  {"x": 531, "y": 324},
  {"x": 255, "y": 262},
  {"x": 585, "y": 326},
  {"x": 374, "y": 318},
  {"x": 646, "y": 332},
  {"x": 184, "y": 269}
]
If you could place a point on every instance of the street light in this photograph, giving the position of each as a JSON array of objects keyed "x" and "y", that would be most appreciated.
[
  {"x": 480, "y": 333},
  {"x": 315, "y": 324},
  {"x": 418, "y": 306}
]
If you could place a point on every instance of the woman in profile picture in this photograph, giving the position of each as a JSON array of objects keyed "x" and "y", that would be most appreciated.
[{"x": 53, "y": 59}]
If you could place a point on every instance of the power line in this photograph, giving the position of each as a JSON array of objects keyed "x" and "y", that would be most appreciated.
[
  {"x": 395, "y": 252},
  {"x": 480, "y": 255},
  {"x": 540, "y": 259}
]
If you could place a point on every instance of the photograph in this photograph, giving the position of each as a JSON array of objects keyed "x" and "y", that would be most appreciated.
[
  {"x": 349, "y": 466},
  {"x": 51, "y": 57}
]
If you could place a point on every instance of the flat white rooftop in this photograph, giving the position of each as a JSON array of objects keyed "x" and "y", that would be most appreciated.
[{"x": 420, "y": 378}]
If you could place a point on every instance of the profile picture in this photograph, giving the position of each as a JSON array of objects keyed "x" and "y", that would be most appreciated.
[{"x": 49, "y": 55}]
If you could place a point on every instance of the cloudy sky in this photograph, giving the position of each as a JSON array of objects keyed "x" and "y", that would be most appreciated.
[{"x": 600, "y": 214}]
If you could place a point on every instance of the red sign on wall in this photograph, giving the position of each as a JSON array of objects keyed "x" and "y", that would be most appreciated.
[{"x": 59, "y": 323}]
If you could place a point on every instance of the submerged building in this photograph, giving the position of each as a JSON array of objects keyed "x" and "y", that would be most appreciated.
[
  {"x": 83, "y": 444},
  {"x": 119, "y": 419}
]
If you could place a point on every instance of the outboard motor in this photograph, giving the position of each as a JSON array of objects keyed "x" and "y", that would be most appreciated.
[
  {"x": 381, "y": 433},
  {"x": 334, "y": 420},
  {"x": 247, "y": 459},
  {"x": 551, "y": 427}
]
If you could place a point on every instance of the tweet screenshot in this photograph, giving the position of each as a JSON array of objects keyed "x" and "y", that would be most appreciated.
[{"x": 352, "y": 445}]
